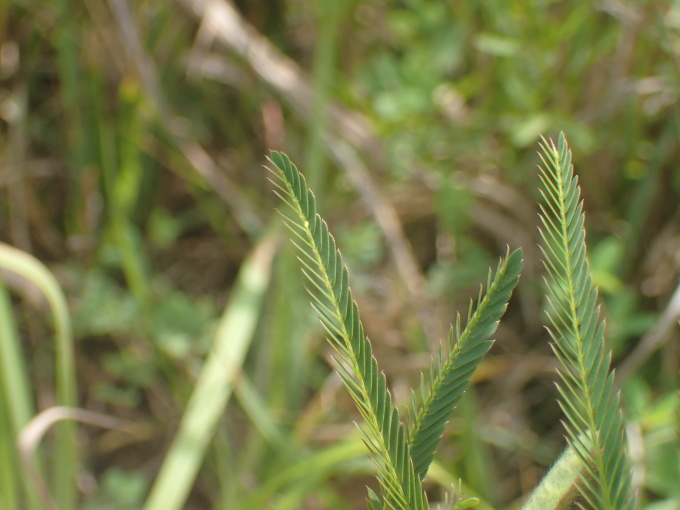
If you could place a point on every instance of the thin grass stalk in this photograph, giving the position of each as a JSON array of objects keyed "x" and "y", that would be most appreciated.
[
  {"x": 81, "y": 147},
  {"x": 125, "y": 193},
  {"x": 9, "y": 469},
  {"x": 16, "y": 409},
  {"x": 64, "y": 461},
  {"x": 318, "y": 466},
  {"x": 226, "y": 470},
  {"x": 330, "y": 16},
  {"x": 476, "y": 465},
  {"x": 292, "y": 341},
  {"x": 287, "y": 362},
  {"x": 215, "y": 382},
  {"x": 13, "y": 367}
]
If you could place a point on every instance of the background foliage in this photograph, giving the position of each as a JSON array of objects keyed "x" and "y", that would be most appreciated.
[{"x": 133, "y": 139}]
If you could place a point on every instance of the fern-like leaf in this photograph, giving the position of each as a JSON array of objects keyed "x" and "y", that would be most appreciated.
[
  {"x": 328, "y": 279},
  {"x": 450, "y": 377},
  {"x": 594, "y": 423}
]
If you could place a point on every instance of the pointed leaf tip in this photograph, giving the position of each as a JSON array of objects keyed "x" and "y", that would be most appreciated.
[{"x": 279, "y": 159}]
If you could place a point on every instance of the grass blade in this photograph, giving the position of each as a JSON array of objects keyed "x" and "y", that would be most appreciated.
[
  {"x": 215, "y": 383},
  {"x": 64, "y": 468}
]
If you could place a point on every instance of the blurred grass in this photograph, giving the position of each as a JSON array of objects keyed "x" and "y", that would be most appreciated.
[
  {"x": 215, "y": 383},
  {"x": 63, "y": 462},
  {"x": 16, "y": 410},
  {"x": 133, "y": 139}
]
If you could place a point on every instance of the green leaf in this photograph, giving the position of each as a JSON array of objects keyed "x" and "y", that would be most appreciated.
[
  {"x": 451, "y": 377},
  {"x": 322, "y": 264},
  {"x": 594, "y": 423}
]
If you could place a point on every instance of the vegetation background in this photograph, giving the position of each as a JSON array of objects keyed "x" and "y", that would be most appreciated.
[{"x": 133, "y": 139}]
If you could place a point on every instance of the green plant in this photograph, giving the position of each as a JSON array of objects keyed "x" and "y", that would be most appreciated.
[
  {"x": 218, "y": 378},
  {"x": 594, "y": 466},
  {"x": 16, "y": 393},
  {"x": 132, "y": 132},
  {"x": 402, "y": 458},
  {"x": 594, "y": 423}
]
